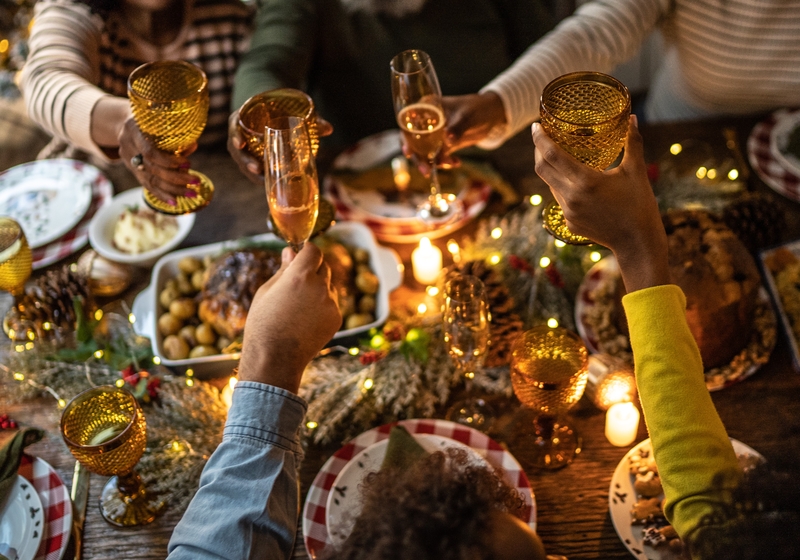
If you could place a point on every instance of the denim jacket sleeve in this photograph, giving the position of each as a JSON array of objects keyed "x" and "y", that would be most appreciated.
[{"x": 247, "y": 504}]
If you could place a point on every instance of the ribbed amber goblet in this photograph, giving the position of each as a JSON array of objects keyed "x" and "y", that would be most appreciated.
[
  {"x": 16, "y": 260},
  {"x": 257, "y": 111},
  {"x": 169, "y": 100},
  {"x": 549, "y": 369},
  {"x": 105, "y": 430},
  {"x": 586, "y": 113}
]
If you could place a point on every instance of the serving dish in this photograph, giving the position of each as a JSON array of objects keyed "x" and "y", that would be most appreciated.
[
  {"x": 770, "y": 277},
  {"x": 101, "y": 231},
  {"x": 146, "y": 308}
]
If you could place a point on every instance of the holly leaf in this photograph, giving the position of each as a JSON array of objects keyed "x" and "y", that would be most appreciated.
[{"x": 84, "y": 331}]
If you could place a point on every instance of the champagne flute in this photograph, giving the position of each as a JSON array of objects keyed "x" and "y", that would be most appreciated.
[
  {"x": 586, "y": 113},
  {"x": 291, "y": 179},
  {"x": 16, "y": 259},
  {"x": 169, "y": 101},
  {"x": 105, "y": 430},
  {"x": 465, "y": 326},
  {"x": 257, "y": 111},
  {"x": 549, "y": 369},
  {"x": 418, "y": 107}
]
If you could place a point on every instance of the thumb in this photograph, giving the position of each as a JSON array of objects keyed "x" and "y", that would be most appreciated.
[{"x": 287, "y": 256}]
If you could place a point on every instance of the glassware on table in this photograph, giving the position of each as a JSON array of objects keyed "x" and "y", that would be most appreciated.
[
  {"x": 291, "y": 179},
  {"x": 169, "y": 100},
  {"x": 16, "y": 259},
  {"x": 465, "y": 326},
  {"x": 257, "y": 111},
  {"x": 549, "y": 369},
  {"x": 586, "y": 113},
  {"x": 418, "y": 107},
  {"x": 105, "y": 430}
]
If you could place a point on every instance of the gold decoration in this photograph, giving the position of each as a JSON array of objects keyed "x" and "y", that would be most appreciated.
[{"x": 105, "y": 278}]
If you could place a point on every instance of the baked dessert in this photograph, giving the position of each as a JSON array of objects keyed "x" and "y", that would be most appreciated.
[
  {"x": 720, "y": 280},
  {"x": 231, "y": 282}
]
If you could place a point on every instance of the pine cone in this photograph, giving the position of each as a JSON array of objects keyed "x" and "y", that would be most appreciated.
[
  {"x": 756, "y": 219},
  {"x": 506, "y": 325},
  {"x": 46, "y": 308}
]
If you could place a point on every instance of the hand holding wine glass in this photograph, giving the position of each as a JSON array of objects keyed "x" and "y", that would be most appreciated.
[
  {"x": 418, "y": 107},
  {"x": 291, "y": 179}
]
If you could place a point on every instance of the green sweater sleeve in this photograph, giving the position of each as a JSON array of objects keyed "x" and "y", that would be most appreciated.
[
  {"x": 695, "y": 458},
  {"x": 281, "y": 48}
]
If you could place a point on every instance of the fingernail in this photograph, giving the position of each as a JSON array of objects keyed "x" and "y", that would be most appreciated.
[
  {"x": 635, "y": 120},
  {"x": 535, "y": 128},
  {"x": 194, "y": 181},
  {"x": 252, "y": 168},
  {"x": 190, "y": 194},
  {"x": 172, "y": 202},
  {"x": 186, "y": 165}
]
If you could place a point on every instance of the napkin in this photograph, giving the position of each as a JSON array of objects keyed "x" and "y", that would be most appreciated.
[
  {"x": 403, "y": 450},
  {"x": 11, "y": 455}
]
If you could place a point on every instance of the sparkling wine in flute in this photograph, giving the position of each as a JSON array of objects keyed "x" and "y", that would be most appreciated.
[
  {"x": 422, "y": 126},
  {"x": 294, "y": 204}
]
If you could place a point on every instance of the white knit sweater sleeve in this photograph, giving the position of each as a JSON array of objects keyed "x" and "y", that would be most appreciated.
[
  {"x": 597, "y": 37},
  {"x": 60, "y": 76}
]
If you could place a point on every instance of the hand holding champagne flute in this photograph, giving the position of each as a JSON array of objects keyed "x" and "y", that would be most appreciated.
[
  {"x": 418, "y": 106},
  {"x": 291, "y": 179}
]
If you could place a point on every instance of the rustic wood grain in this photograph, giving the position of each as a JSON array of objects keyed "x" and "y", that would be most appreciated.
[{"x": 763, "y": 411}]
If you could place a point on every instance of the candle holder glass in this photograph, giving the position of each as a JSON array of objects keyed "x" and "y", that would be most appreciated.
[
  {"x": 16, "y": 259},
  {"x": 105, "y": 429},
  {"x": 549, "y": 368}
]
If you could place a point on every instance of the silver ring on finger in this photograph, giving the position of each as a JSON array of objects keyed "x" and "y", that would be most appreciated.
[{"x": 137, "y": 161}]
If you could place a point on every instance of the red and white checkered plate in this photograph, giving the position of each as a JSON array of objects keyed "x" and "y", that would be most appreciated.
[
  {"x": 776, "y": 176},
  {"x": 315, "y": 528},
  {"x": 56, "y": 503}
]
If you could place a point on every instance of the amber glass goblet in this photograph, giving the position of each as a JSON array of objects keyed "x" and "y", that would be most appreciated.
[
  {"x": 586, "y": 113},
  {"x": 257, "y": 111},
  {"x": 169, "y": 100},
  {"x": 549, "y": 368},
  {"x": 16, "y": 260},
  {"x": 105, "y": 430}
]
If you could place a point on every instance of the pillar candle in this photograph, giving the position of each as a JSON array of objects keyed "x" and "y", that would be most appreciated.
[
  {"x": 426, "y": 262},
  {"x": 622, "y": 424}
]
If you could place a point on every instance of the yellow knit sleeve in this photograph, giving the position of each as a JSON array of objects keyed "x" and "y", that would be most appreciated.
[{"x": 695, "y": 458}]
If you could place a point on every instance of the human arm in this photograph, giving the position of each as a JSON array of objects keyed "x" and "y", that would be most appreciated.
[
  {"x": 598, "y": 36},
  {"x": 617, "y": 209},
  {"x": 247, "y": 502}
]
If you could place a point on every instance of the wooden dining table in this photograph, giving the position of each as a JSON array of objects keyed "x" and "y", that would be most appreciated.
[{"x": 762, "y": 411}]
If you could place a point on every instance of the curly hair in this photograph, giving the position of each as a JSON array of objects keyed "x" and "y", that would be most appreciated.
[
  {"x": 760, "y": 521},
  {"x": 437, "y": 509}
]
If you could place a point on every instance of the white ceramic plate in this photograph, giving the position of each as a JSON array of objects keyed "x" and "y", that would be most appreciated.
[
  {"x": 344, "y": 503},
  {"x": 622, "y": 497},
  {"x": 47, "y": 197},
  {"x": 22, "y": 520},
  {"x": 779, "y": 140},
  {"x": 101, "y": 230},
  {"x": 146, "y": 308}
]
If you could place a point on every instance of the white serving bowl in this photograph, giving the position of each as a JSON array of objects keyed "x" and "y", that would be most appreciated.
[
  {"x": 101, "y": 231},
  {"x": 147, "y": 309}
]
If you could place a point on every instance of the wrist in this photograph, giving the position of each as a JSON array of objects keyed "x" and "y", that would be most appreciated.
[
  {"x": 493, "y": 108},
  {"x": 270, "y": 371},
  {"x": 644, "y": 265}
]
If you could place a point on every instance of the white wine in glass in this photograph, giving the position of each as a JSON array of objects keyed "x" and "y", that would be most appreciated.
[
  {"x": 418, "y": 107},
  {"x": 291, "y": 179}
]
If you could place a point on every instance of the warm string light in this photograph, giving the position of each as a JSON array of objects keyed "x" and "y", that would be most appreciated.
[
  {"x": 595, "y": 256},
  {"x": 422, "y": 309},
  {"x": 560, "y": 244},
  {"x": 368, "y": 384},
  {"x": 552, "y": 322},
  {"x": 675, "y": 149},
  {"x": 536, "y": 200},
  {"x": 432, "y": 291},
  {"x": 354, "y": 351},
  {"x": 496, "y": 233},
  {"x": 544, "y": 262},
  {"x": 495, "y": 258}
]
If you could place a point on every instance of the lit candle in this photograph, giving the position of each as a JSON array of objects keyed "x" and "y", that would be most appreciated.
[
  {"x": 227, "y": 392},
  {"x": 622, "y": 424},
  {"x": 426, "y": 262}
]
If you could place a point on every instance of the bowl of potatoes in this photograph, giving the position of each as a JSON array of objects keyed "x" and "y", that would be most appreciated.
[{"x": 195, "y": 307}]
